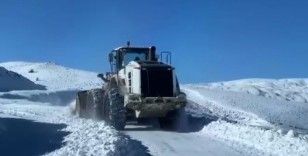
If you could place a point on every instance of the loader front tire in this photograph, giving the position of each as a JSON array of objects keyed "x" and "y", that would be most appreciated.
[{"x": 115, "y": 110}]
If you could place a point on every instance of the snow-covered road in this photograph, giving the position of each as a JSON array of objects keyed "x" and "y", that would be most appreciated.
[{"x": 171, "y": 143}]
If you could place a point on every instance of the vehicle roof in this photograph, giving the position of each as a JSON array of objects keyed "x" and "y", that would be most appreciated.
[{"x": 131, "y": 48}]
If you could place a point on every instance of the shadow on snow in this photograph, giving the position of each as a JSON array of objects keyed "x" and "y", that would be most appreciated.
[
  {"x": 25, "y": 137},
  {"x": 125, "y": 146}
]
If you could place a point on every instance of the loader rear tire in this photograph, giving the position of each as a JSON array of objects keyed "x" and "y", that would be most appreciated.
[{"x": 115, "y": 110}]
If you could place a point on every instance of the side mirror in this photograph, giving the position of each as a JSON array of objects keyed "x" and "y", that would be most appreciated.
[{"x": 111, "y": 57}]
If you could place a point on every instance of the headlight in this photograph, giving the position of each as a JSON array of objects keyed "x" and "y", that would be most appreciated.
[{"x": 182, "y": 96}]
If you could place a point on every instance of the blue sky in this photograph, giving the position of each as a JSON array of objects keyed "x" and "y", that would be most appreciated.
[{"x": 211, "y": 40}]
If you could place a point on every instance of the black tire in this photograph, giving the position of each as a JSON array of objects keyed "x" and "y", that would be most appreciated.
[{"x": 115, "y": 112}]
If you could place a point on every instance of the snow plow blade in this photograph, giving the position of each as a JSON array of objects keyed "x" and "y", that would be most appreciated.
[{"x": 88, "y": 103}]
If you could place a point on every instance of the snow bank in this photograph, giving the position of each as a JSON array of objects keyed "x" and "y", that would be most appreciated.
[
  {"x": 86, "y": 137},
  {"x": 12, "y": 81},
  {"x": 265, "y": 141},
  {"x": 283, "y": 89},
  {"x": 55, "y": 77}
]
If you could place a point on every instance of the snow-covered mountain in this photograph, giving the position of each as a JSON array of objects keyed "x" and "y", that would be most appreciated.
[
  {"x": 54, "y": 77},
  {"x": 242, "y": 117}
]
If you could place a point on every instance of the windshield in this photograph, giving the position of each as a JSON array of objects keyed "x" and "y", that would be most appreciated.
[{"x": 133, "y": 56}]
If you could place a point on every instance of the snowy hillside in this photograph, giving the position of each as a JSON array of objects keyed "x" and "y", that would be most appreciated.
[
  {"x": 242, "y": 117},
  {"x": 53, "y": 76},
  {"x": 283, "y": 89},
  {"x": 12, "y": 81}
]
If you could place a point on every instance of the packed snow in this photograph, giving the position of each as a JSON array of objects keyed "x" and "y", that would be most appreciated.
[{"x": 242, "y": 117}]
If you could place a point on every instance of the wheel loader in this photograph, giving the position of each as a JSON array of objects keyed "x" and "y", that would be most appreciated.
[{"x": 138, "y": 86}]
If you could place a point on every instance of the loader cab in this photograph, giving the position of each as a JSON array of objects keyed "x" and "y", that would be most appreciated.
[{"x": 120, "y": 57}]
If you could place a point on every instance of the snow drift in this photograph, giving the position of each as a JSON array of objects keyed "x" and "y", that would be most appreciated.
[{"x": 251, "y": 107}]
